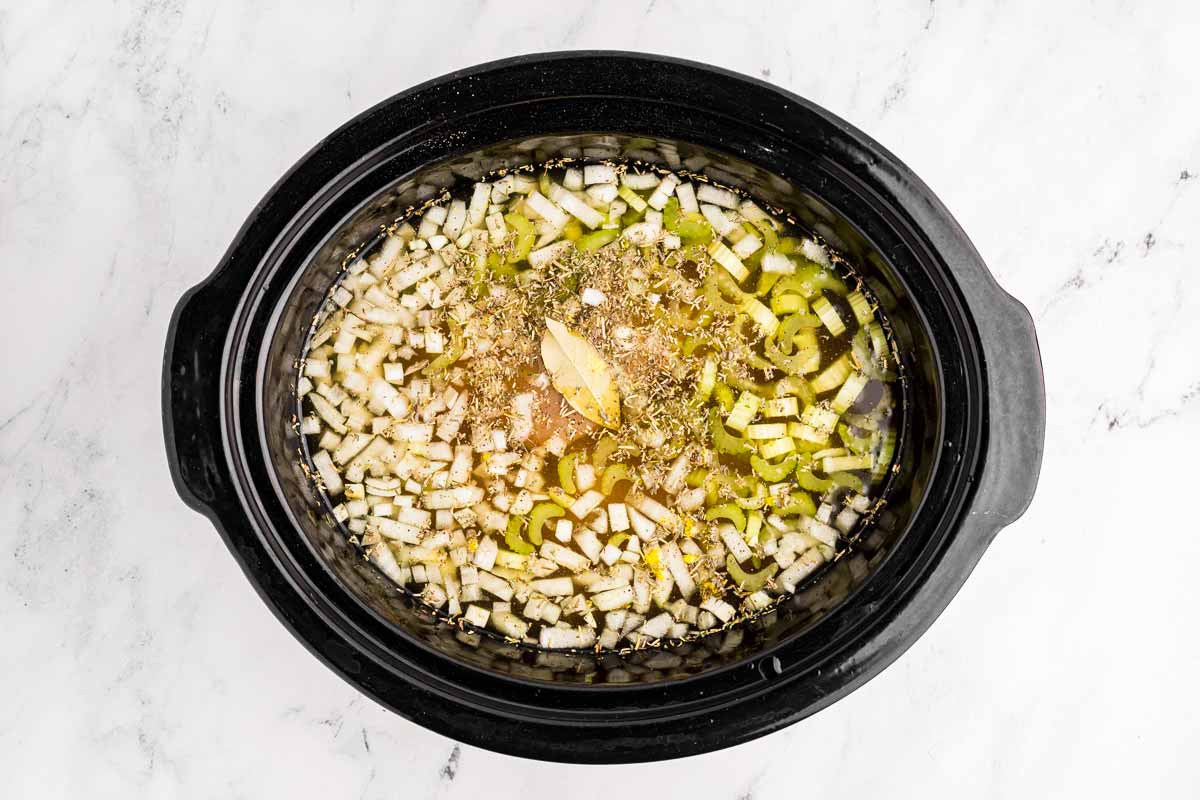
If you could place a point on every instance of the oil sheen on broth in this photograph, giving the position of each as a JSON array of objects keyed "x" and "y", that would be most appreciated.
[{"x": 597, "y": 406}]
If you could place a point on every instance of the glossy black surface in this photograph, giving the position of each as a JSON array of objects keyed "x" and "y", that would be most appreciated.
[{"x": 969, "y": 454}]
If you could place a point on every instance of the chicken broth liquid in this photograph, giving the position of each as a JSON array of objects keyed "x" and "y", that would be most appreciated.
[{"x": 593, "y": 406}]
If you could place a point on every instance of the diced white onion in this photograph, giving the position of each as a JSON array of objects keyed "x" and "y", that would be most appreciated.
[
  {"x": 639, "y": 181},
  {"x": 552, "y": 638},
  {"x": 599, "y": 173},
  {"x": 720, "y": 223},
  {"x": 547, "y": 210},
  {"x": 707, "y": 193},
  {"x": 613, "y": 598}
]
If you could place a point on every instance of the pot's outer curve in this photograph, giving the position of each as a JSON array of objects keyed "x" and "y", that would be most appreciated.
[{"x": 195, "y": 366}]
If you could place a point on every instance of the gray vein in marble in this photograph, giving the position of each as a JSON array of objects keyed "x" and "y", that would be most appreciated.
[{"x": 449, "y": 770}]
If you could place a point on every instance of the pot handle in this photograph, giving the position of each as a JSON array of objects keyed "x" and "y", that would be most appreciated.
[
  {"x": 1016, "y": 414},
  {"x": 191, "y": 400}
]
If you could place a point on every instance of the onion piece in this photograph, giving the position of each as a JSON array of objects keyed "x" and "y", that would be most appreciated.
[
  {"x": 599, "y": 173},
  {"x": 495, "y": 585},
  {"x": 477, "y": 615},
  {"x": 611, "y": 599},
  {"x": 719, "y": 608},
  {"x": 576, "y": 207},
  {"x": 549, "y": 254},
  {"x": 547, "y": 210},
  {"x": 639, "y": 181},
  {"x": 328, "y": 473},
  {"x": 657, "y": 627},
  {"x": 586, "y": 504},
  {"x": 558, "y": 638},
  {"x": 800, "y": 569},
  {"x": 564, "y": 557},
  {"x": 720, "y": 223},
  {"x": 707, "y": 193},
  {"x": 678, "y": 569},
  {"x": 686, "y": 193},
  {"x": 509, "y": 624},
  {"x": 553, "y": 587},
  {"x": 382, "y": 557},
  {"x": 658, "y": 198}
]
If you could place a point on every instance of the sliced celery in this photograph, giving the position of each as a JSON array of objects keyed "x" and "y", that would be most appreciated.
[
  {"x": 794, "y": 385},
  {"x": 789, "y": 327},
  {"x": 723, "y": 441},
  {"x": 597, "y": 239},
  {"x": 754, "y": 523},
  {"x": 749, "y": 492},
  {"x": 829, "y": 316},
  {"x": 500, "y": 268},
  {"x": 604, "y": 450},
  {"x": 777, "y": 447},
  {"x": 747, "y": 385},
  {"x": 728, "y": 511},
  {"x": 512, "y": 537},
  {"x": 573, "y": 230},
  {"x": 796, "y": 364},
  {"x": 794, "y": 284},
  {"x": 849, "y": 392},
  {"x": 560, "y": 497},
  {"x": 770, "y": 237},
  {"x": 879, "y": 343},
  {"x": 744, "y": 411},
  {"x": 694, "y": 229},
  {"x": 635, "y": 201},
  {"x": 812, "y": 483},
  {"x": 773, "y": 473},
  {"x": 847, "y": 480},
  {"x": 763, "y": 317},
  {"x": 539, "y": 516},
  {"x": 766, "y": 280},
  {"x": 716, "y": 285},
  {"x": 708, "y": 380},
  {"x": 887, "y": 450},
  {"x": 749, "y": 581},
  {"x": 832, "y": 464},
  {"x": 861, "y": 307},
  {"x": 764, "y": 430},
  {"x": 671, "y": 215},
  {"x": 817, "y": 278},
  {"x": 727, "y": 259},
  {"x": 856, "y": 443},
  {"x": 724, "y": 396},
  {"x": 787, "y": 304},
  {"x": 781, "y": 407},
  {"x": 798, "y": 504},
  {"x": 566, "y": 470},
  {"x": 526, "y": 236},
  {"x": 833, "y": 376},
  {"x": 614, "y": 474}
]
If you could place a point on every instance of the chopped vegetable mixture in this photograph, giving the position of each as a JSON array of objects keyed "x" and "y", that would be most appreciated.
[{"x": 592, "y": 406}]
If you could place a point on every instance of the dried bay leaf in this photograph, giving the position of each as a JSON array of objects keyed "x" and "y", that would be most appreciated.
[{"x": 580, "y": 375}]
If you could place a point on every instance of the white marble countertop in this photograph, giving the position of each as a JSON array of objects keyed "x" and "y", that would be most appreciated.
[{"x": 135, "y": 138}]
